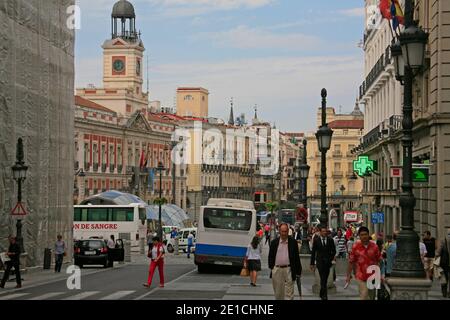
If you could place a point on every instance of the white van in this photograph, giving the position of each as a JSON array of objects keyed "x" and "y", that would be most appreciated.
[{"x": 183, "y": 240}]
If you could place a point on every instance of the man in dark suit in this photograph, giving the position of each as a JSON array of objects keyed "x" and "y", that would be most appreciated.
[
  {"x": 284, "y": 263},
  {"x": 14, "y": 256},
  {"x": 323, "y": 254}
]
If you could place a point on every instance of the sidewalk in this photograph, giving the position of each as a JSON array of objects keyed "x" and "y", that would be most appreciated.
[{"x": 241, "y": 289}]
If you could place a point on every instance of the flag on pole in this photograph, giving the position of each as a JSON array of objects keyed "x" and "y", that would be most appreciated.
[
  {"x": 141, "y": 160},
  {"x": 151, "y": 176},
  {"x": 391, "y": 10}
]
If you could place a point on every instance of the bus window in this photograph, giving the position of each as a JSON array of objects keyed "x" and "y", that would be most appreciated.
[
  {"x": 84, "y": 215},
  {"x": 123, "y": 214},
  {"x": 142, "y": 214},
  {"x": 98, "y": 214},
  {"x": 77, "y": 214},
  {"x": 227, "y": 219}
]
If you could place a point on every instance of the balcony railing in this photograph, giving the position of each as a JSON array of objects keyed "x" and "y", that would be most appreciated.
[
  {"x": 337, "y": 154},
  {"x": 372, "y": 137},
  {"x": 119, "y": 168},
  {"x": 111, "y": 168},
  {"x": 103, "y": 167},
  {"x": 349, "y": 154},
  {"x": 377, "y": 69},
  {"x": 86, "y": 166},
  {"x": 95, "y": 167}
]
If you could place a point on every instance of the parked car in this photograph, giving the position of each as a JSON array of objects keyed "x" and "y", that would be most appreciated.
[
  {"x": 95, "y": 252},
  {"x": 182, "y": 240}
]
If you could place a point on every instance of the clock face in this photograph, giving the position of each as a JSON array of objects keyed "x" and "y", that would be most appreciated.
[{"x": 118, "y": 65}]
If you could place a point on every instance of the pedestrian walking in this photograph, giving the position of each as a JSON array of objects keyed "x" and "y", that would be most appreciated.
[
  {"x": 156, "y": 254},
  {"x": 14, "y": 261},
  {"x": 365, "y": 253},
  {"x": 60, "y": 252},
  {"x": 350, "y": 244},
  {"x": 284, "y": 263},
  {"x": 253, "y": 259},
  {"x": 428, "y": 261},
  {"x": 323, "y": 254},
  {"x": 111, "y": 244},
  {"x": 190, "y": 243},
  {"x": 443, "y": 258},
  {"x": 340, "y": 244},
  {"x": 391, "y": 253},
  {"x": 267, "y": 232}
]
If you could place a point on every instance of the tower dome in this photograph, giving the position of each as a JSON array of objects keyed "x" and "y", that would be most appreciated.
[{"x": 123, "y": 9}]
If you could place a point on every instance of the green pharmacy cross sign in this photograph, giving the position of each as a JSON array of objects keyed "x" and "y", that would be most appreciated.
[{"x": 364, "y": 165}]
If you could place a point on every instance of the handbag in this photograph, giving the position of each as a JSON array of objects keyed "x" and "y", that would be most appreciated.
[
  {"x": 382, "y": 293},
  {"x": 245, "y": 272}
]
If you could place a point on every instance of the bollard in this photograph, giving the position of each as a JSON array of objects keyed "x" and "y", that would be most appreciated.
[
  {"x": 176, "y": 246},
  {"x": 47, "y": 258},
  {"x": 127, "y": 248},
  {"x": 142, "y": 246}
]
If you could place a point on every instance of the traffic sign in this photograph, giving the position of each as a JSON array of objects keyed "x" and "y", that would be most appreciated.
[
  {"x": 18, "y": 210},
  {"x": 420, "y": 174},
  {"x": 378, "y": 218}
]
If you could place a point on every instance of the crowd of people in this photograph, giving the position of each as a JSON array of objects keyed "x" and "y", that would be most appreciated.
[{"x": 356, "y": 244}]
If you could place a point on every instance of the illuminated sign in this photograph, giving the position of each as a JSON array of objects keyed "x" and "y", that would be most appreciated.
[{"x": 364, "y": 166}]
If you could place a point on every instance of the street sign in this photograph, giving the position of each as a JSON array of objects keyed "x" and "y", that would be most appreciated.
[
  {"x": 351, "y": 216},
  {"x": 420, "y": 174},
  {"x": 378, "y": 218},
  {"x": 396, "y": 172},
  {"x": 18, "y": 210}
]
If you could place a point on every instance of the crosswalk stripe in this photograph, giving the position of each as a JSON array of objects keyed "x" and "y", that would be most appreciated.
[
  {"x": 47, "y": 296},
  {"x": 117, "y": 295},
  {"x": 13, "y": 296},
  {"x": 82, "y": 295}
]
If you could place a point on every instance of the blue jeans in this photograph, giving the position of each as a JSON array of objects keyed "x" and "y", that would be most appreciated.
[
  {"x": 189, "y": 251},
  {"x": 58, "y": 261}
]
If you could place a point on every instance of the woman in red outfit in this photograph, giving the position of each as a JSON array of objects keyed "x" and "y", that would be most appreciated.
[{"x": 156, "y": 254}]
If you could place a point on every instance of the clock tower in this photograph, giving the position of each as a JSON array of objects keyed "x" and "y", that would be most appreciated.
[{"x": 122, "y": 54}]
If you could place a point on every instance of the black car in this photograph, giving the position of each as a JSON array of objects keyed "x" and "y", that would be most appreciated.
[{"x": 95, "y": 252}]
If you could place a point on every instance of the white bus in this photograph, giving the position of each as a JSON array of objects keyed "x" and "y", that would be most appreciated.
[
  {"x": 102, "y": 221},
  {"x": 225, "y": 229}
]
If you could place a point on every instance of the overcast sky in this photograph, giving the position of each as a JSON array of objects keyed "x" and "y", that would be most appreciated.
[{"x": 277, "y": 54}]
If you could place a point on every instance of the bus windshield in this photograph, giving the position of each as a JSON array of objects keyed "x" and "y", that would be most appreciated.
[{"x": 228, "y": 219}]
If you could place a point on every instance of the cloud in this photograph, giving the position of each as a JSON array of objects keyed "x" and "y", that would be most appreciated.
[
  {"x": 183, "y": 8},
  {"x": 290, "y": 84},
  {"x": 243, "y": 37},
  {"x": 353, "y": 12}
]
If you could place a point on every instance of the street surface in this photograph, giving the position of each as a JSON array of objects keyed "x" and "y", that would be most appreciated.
[{"x": 182, "y": 282}]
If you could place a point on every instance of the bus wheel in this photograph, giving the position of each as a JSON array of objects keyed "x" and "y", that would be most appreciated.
[
  {"x": 201, "y": 268},
  {"x": 170, "y": 248}
]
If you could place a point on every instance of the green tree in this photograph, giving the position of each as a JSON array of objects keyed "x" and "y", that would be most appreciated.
[{"x": 161, "y": 201}]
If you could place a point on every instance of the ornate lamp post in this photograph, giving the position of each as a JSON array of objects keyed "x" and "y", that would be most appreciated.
[
  {"x": 323, "y": 136},
  {"x": 160, "y": 168},
  {"x": 408, "y": 263},
  {"x": 19, "y": 174},
  {"x": 304, "y": 173}
]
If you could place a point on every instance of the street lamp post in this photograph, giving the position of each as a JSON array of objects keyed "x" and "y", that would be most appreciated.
[
  {"x": 323, "y": 136},
  {"x": 160, "y": 168},
  {"x": 304, "y": 173},
  {"x": 19, "y": 174},
  {"x": 413, "y": 39}
]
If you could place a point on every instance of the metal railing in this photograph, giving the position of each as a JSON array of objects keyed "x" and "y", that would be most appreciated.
[
  {"x": 119, "y": 168},
  {"x": 111, "y": 168},
  {"x": 95, "y": 167},
  {"x": 377, "y": 69},
  {"x": 338, "y": 174},
  {"x": 103, "y": 167},
  {"x": 337, "y": 154},
  {"x": 87, "y": 165}
]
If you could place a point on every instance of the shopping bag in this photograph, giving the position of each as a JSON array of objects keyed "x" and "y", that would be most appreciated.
[
  {"x": 383, "y": 293},
  {"x": 245, "y": 272}
]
